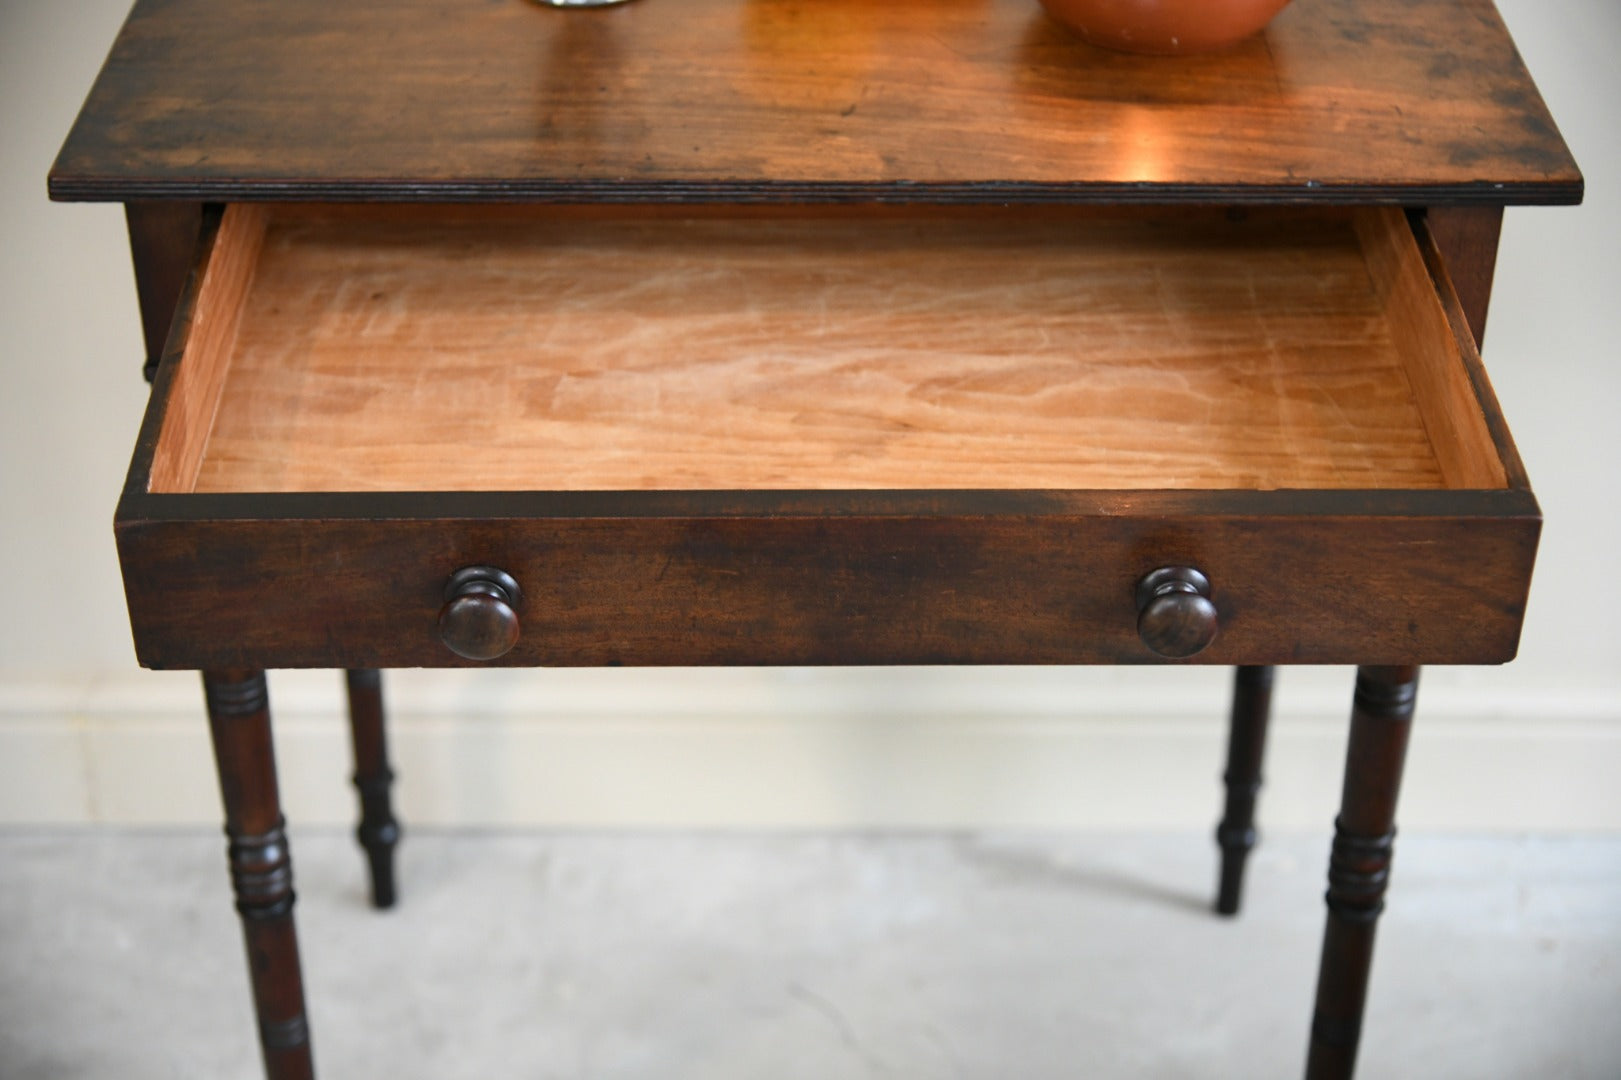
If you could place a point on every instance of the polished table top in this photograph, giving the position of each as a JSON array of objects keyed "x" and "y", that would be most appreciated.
[{"x": 765, "y": 100}]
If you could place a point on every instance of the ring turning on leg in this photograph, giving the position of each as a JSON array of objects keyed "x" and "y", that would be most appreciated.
[
  {"x": 378, "y": 832},
  {"x": 1246, "y": 747},
  {"x": 261, "y": 866},
  {"x": 1359, "y": 867}
]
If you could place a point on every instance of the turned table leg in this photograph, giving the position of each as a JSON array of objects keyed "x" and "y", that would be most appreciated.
[
  {"x": 378, "y": 832},
  {"x": 261, "y": 866},
  {"x": 1359, "y": 868},
  {"x": 1246, "y": 746}
]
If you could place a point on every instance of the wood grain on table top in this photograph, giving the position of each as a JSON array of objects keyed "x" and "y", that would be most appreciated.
[{"x": 831, "y": 100}]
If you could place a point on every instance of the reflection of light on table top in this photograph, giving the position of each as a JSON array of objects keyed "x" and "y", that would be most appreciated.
[{"x": 1143, "y": 145}]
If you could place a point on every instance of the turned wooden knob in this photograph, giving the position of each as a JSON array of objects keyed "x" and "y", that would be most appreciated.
[
  {"x": 1175, "y": 617},
  {"x": 480, "y": 616}
]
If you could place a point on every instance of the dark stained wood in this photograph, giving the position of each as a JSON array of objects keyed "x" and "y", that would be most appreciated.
[
  {"x": 480, "y": 618},
  {"x": 261, "y": 866},
  {"x": 1359, "y": 868},
  {"x": 378, "y": 831},
  {"x": 1246, "y": 748},
  {"x": 1466, "y": 237},
  {"x": 163, "y": 242},
  {"x": 830, "y": 578},
  {"x": 837, "y": 100},
  {"x": 1175, "y": 617}
]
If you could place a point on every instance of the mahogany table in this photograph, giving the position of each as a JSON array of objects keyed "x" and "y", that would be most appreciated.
[{"x": 771, "y": 332}]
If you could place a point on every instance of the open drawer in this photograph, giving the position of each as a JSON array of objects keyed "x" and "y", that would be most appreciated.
[{"x": 772, "y": 436}]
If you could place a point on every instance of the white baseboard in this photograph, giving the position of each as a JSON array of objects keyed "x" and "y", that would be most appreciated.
[{"x": 789, "y": 748}]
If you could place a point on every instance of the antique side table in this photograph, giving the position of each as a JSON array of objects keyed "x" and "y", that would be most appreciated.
[{"x": 769, "y": 332}]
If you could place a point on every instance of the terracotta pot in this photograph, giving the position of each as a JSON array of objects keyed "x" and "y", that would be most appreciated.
[{"x": 1164, "y": 26}]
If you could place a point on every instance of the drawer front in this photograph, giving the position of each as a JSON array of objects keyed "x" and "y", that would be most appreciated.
[
  {"x": 1432, "y": 569},
  {"x": 1050, "y": 582}
]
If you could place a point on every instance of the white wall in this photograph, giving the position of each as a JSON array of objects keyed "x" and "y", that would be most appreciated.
[{"x": 86, "y": 736}]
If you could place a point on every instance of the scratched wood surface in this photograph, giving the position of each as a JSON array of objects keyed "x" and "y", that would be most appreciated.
[
  {"x": 656, "y": 351},
  {"x": 729, "y": 100}
]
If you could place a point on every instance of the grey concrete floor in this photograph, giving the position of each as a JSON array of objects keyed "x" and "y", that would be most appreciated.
[{"x": 721, "y": 956}]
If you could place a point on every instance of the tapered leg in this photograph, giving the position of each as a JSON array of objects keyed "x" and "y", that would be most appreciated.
[
  {"x": 261, "y": 866},
  {"x": 1246, "y": 746},
  {"x": 378, "y": 832},
  {"x": 1359, "y": 868}
]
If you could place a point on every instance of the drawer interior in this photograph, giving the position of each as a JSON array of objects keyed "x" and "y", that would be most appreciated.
[{"x": 455, "y": 349}]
